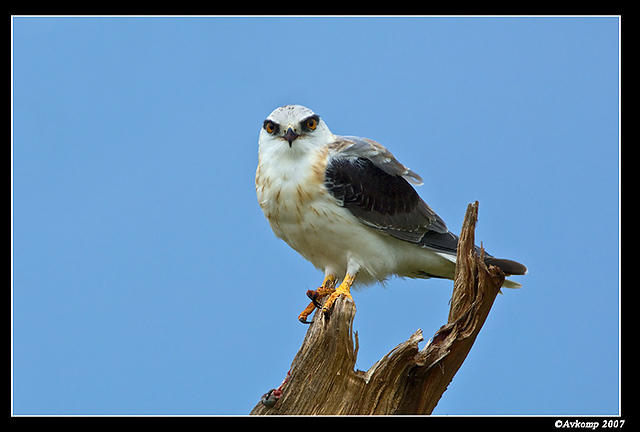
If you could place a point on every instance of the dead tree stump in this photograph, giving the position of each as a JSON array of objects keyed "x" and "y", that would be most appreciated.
[{"x": 322, "y": 379}]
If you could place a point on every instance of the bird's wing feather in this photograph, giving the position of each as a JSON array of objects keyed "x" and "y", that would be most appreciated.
[
  {"x": 368, "y": 180},
  {"x": 352, "y": 146}
]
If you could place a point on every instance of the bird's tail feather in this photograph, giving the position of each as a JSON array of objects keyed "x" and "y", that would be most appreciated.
[
  {"x": 509, "y": 267},
  {"x": 511, "y": 284}
]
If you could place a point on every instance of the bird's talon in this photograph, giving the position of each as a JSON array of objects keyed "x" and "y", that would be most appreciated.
[
  {"x": 303, "y": 317},
  {"x": 326, "y": 289},
  {"x": 314, "y": 296},
  {"x": 303, "y": 320}
]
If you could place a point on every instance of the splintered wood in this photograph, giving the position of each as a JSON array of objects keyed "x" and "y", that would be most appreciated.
[{"x": 407, "y": 380}]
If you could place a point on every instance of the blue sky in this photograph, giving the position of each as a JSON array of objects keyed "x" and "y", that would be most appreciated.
[{"x": 147, "y": 281}]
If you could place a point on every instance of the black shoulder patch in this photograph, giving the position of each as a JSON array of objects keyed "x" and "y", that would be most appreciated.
[
  {"x": 361, "y": 185},
  {"x": 380, "y": 200}
]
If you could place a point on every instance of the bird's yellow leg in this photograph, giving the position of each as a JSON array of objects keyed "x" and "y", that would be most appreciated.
[
  {"x": 343, "y": 289},
  {"x": 327, "y": 287}
]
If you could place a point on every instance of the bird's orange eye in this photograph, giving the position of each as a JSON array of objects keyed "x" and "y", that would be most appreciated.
[
  {"x": 311, "y": 123},
  {"x": 270, "y": 126}
]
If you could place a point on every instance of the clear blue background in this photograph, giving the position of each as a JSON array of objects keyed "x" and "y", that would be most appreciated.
[{"x": 147, "y": 281}]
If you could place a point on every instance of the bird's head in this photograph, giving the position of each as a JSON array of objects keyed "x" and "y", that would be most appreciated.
[{"x": 294, "y": 128}]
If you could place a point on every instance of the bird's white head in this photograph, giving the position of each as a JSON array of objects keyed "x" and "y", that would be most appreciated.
[{"x": 293, "y": 130}]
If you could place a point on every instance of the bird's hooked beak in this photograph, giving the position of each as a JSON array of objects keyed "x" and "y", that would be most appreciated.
[{"x": 290, "y": 135}]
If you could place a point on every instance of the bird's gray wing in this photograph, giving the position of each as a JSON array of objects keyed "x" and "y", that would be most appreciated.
[
  {"x": 352, "y": 146},
  {"x": 367, "y": 180}
]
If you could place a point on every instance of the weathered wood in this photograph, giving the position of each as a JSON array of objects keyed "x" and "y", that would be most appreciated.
[{"x": 405, "y": 381}]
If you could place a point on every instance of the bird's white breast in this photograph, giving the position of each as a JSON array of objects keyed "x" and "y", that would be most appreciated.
[
  {"x": 291, "y": 192},
  {"x": 301, "y": 212}
]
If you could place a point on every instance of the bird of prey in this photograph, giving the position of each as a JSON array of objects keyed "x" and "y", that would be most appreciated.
[{"x": 348, "y": 206}]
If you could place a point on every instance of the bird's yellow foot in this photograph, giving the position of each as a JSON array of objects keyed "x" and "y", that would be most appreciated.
[
  {"x": 327, "y": 287},
  {"x": 343, "y": 289}
]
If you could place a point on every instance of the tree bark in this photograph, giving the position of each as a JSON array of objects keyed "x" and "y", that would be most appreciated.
[{"x": 322, "y": 379}]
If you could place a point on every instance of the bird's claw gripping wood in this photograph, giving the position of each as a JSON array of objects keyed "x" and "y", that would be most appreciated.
[
  {"x": 316, "y": 295},
  {"x": 343, "y": 289},
  {"x": 327, "y": 287}
]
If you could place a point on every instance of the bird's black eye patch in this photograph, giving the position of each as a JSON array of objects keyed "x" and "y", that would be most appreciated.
[
  {"x": 310, "y": 123},
  {"x": 271, "y": 127}
]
